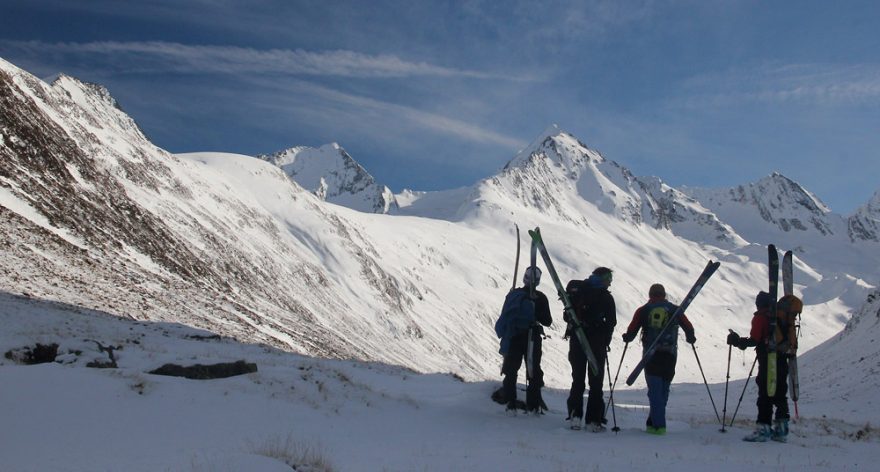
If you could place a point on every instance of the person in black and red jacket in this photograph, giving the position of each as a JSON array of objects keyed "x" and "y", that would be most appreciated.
[
  {"x": 759, "y": 337},
  {"x": 660, "y": 369}
]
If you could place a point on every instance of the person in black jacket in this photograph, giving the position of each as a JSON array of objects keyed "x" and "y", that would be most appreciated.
[
  {"x": 594, "y": 306},
  {"x": 519, "y": 350}
]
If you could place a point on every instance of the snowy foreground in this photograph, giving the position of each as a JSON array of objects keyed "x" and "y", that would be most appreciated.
[{"x": 320, "y": 414}]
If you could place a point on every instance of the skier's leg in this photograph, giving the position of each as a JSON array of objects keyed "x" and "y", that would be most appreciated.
[
  {"x": 533, "y": 393},
  {"x": 595, "y": 400},
  {"x": 657, "y": 396},
  {"x": 578, "y": 361},
  {"x": 512, "y": 362}
]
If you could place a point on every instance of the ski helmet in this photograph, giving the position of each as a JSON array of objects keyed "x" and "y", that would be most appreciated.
[
  {"x": 762, "y": 300},
  {"x": 532, "y": 274},
  {"x": 605, "y": 273},
  {"x": 657, "y": 291}
]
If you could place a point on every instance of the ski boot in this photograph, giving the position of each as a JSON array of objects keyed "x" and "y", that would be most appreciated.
[
  {"x": 575, "y": 423},
  {"x": 761, "y": 434},
  {"x": 780, "y": 431},
  {"x": 660, "y": 431},
  {"x": 596, "y": 427},
  {"x": 511, "y": 409}
]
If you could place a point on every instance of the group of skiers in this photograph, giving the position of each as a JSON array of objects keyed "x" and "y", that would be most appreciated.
[{"x": 595, "y": 310}]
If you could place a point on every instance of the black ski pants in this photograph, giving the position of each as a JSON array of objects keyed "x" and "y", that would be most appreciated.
[
  {"x": 779, "y": 400},
  {"x": 580, "y": 373},
  {"x": 518, "y": 353}
]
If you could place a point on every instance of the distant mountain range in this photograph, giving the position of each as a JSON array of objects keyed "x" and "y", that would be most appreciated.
[{"x": 304, "y": 249}]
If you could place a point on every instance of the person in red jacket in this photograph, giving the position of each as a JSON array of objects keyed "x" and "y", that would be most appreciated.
[
  {"x": 651, "y": 318},
  {"x": 759, "y": 337}
]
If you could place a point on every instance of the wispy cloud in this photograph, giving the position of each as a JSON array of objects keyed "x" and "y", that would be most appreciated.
[
  {"x": 160, "y": 56},
  {"x": 817, "y": 84},
  {"x": 377, "y": 115}
]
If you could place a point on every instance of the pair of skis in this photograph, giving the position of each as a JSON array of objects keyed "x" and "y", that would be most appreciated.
[
  {"x": 787, "y": 289},
  {"x": 530, "y": 366}
]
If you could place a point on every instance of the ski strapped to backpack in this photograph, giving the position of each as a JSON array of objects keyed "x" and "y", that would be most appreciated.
[
  {"x": 577, "y": 328},
  {"x": 530, "y": 347},
  {"x": 788, "y": 290},
  {"x": 710, "y": 269},
  {"x": 516, "y": 264},
  {"x": 773, "y": 265}
]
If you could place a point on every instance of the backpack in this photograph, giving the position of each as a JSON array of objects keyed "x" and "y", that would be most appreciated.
[
  {"x": 584, "y": 296},
  {"x": 654, "y": 319},
  {"x": 788, "y": 308},
  {"x": 517, "y": 316}
]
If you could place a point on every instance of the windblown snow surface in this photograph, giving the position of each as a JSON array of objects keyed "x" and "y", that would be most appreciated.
[{"x": 318, "y": 414}]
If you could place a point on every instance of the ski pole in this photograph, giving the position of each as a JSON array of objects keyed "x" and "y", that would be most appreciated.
[
  {"x": 707, "y": 383},
  {"x": 726, "y": 383},
  {"x": 741, "y": 395},
  {"x": 611, "y": 396},
  {"x": 625, "y": 346}
]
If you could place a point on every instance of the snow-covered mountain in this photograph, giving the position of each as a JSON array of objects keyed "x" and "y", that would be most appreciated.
[
  {"x": 774, "y": 202},
  {"x": 333, "y": 175},
  {"x": 95, "y": 215},
  {"x": 864, "y": 224},
  {"x": 559, "y": 175},
  {"x": 848, "y": 363}
]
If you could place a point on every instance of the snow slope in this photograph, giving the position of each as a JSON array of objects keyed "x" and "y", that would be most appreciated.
[{"x": 322, "y": 415}]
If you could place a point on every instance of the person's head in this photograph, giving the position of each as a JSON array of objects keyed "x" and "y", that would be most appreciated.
[
  {"x": 604, "y": 274},
  {"x": 532, "y": 274},
  {"x": 762, "y": 300},
  {"x": 657, "y": 291}
]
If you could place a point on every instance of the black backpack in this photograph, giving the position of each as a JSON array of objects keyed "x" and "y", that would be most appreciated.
[{"x": 586, "y": 301}]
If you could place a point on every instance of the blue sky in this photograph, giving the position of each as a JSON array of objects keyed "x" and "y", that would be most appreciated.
[{"x": 435, "y": 95}]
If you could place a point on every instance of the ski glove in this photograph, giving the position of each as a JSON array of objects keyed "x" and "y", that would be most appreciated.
[
  {"x": 741, "y": 343},
  {"x": 629, "y": 337},
  {"x": 733, "y": 339},
  {"x": 690, "y": 338}
]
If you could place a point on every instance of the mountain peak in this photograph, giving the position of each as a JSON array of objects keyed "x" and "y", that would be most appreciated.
[
  {"x": 864, "y": 224},
  {"x": 775, "y": 205},
  {"x": 333, "y": 175}
]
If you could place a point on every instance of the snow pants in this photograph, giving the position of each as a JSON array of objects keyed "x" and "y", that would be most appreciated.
[
  {"x": 780, "y": 400},
  {"x": 518, "y": 353},
  {"x": 658, "y": 396},
  {"x": 580, "y": 372}
]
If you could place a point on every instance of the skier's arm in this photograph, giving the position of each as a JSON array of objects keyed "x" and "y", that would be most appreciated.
[
  {"x": 688, "y": 328},
  {"x": 611, "y": 317},
  {"x": 633, "y": 327},
  {"x": 754, "y": 338},
  {"x": 542, "y": 310}
]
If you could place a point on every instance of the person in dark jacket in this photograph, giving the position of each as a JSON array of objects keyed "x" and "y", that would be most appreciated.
[
  {"x": 660, "y": 369},
  {"x": 759, "y": 337},
  {"x": 526, "y": 345},
  {"x": 595, "y": 309}
]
